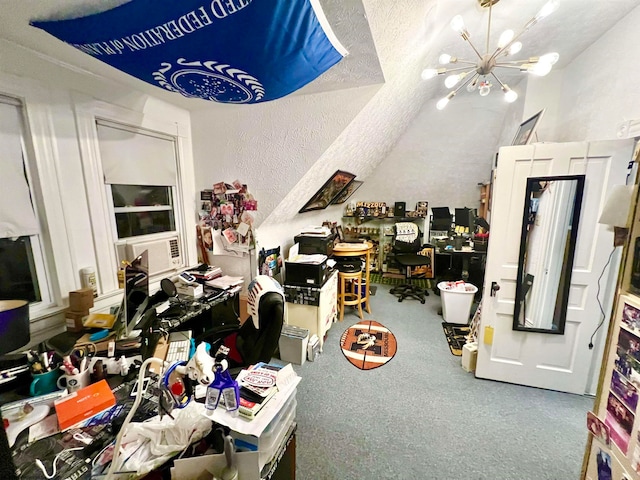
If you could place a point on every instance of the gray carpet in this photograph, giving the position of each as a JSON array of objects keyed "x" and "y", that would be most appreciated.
[{"x": 422, "y": 417}]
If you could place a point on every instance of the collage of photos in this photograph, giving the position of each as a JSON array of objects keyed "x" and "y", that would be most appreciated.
[
  {"x": 227, "y": 212},
  {"x": 622, "y": 402}
]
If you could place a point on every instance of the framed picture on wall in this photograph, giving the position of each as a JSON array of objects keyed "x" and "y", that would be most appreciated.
[
  {"x": 328, "y": 192},
  {"x": 347, "y": 192},
  {"x": 527, "y": 129}
]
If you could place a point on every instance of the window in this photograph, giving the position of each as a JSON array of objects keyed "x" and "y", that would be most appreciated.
[
  {"x": 141, "y": 210},
  {"x": 23, "y": 274},
  {"x": 140, "y": 173}
]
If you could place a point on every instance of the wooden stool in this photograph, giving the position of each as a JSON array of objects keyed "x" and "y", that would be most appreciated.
[{"x": 352, "y": 297}]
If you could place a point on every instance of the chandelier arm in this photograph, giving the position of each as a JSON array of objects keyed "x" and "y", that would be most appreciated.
[
  {"x": 465, "y": 83},
  {"x": 467, "y": 62},
  {"x": 473, "y": 46},
  {"x": 489, "y": 28},
  {"x": 498, "y": 80},
  {"x": 518, "y": 67},
  {"x": 457, "y": 69},
  {"x": 528, "y": 25},
  {"x": 514, "y": 62}
]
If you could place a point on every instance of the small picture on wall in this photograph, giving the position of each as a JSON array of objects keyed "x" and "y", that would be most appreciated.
[
  {"x": 527, "y": 129},
  {"x": 631, "y": 319},
  {"x": 627, "y": 365},
  {"x": 347, "y": 192},
  {"x": 620, "y": 422},
  {"x": 623, "y": 389},
  {"x": 598, "y": 428},
  {"x": 328, "y": 192}
]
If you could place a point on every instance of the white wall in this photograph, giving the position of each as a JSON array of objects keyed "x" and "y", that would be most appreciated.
[
  {"x": 597, "y": 91},
  {"x": 51, "y": 93}
]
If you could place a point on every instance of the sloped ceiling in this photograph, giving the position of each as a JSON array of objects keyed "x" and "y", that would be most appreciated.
[{"x": 379, "y": 34}]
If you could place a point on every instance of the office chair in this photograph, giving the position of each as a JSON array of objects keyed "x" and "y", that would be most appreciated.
[
  {"x": 406, "y": 245},
  {"x": 256, "y": 340}
]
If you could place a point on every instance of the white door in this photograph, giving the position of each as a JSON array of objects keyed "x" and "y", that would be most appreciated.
[{"x": 556, "y": 362}]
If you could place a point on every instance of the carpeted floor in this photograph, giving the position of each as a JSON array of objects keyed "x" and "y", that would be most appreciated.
[{"x": 421, "y": 416}]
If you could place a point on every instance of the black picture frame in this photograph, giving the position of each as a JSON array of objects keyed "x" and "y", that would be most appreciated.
[
  {"x": 527, "y": 129},
  {"x": 347, "y": 192},
  {"x": 329, "y": 191}
]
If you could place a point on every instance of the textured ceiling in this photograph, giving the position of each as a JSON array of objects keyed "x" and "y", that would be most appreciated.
[{"x": 381, "y": 35}]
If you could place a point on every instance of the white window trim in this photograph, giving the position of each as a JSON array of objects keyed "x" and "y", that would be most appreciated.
[
  {"x": 87, "y": 112},
  {"x": 43, "y": 157}
]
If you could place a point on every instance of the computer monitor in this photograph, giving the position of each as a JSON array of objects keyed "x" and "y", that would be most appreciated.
[
  {"x": 136, "y": 293},
  {"x": 466, "y": 217},
  {"x": 440, "y": 219}
]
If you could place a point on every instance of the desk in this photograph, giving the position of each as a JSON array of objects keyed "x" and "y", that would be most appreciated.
[
  {"x": 357, "y": 250},
  {"x": 465, "y": 257}
]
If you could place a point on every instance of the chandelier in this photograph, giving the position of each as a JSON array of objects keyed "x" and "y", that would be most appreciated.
[{"x": 478, "y": 74}]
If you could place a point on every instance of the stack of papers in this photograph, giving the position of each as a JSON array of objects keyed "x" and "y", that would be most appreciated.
[
  {"x": 315, "y": 258},
  {"x": 225, "y": 282},
  {"x": 321, "y": 231}
]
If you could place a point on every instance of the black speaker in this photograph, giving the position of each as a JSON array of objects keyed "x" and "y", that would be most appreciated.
[{"x": 399, "y": 209}]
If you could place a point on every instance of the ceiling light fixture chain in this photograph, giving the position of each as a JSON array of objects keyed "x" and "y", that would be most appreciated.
[{"x": 508, "y": 44}]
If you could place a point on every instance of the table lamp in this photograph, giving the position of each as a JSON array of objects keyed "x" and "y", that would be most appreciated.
[
  {"x": 14, "y": 325},
  {"x": 615, "y": 212}
]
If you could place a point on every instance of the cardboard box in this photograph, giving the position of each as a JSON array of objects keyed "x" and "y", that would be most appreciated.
[
  {"x": 83, "y": 404},
  {"x": 74, "y": 320},
  {"x": 469, "y": 356},
  {"x": 81, "y": 300}
]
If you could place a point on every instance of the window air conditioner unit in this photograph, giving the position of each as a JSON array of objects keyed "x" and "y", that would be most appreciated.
[{"x": 164, "y": 253}]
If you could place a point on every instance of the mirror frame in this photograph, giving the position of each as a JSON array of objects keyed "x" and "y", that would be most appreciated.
[{"x": 562, "y": 289}]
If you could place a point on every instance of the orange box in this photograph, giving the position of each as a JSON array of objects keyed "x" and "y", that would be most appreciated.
[{"x": 83, "y": 404}]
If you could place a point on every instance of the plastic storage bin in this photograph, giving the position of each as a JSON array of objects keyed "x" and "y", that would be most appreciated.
[
  {"x": 293, "y": 344},
  {"x": 456, "y": 301}
]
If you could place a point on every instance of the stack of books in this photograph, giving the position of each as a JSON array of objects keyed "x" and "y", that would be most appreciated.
[
  {"x": 209, "y": 274},
  {"x": 257, "y": 387}
]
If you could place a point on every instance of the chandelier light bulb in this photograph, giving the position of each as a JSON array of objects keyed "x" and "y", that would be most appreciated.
[
  {"x": 509, "y": 95},
  {"x": 540, "y": 69},
  {"x": 547, "y": 9},
  {"x": 550, "y": 58},
  {"x": 445, "y": 59},
  {"x": 471, "y": 86},
  {"x": 505, "y": 38},
  {"x": 515, "y": 48},
  {"x": 442, "y": 103},
  {"x": 485, "y": 88},
  {"x": 457, "y": 24},
  {"x": 428, "y": 73},
  {"x": 452, "y": 80}
]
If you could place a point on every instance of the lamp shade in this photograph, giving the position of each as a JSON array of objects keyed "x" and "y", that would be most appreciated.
[
  {"x": 616, "y": 208},
  {"x": 14, "y": 325}
]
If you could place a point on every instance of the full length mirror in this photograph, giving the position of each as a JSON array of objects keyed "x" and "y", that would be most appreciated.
[{"x": 547, "y": 245}]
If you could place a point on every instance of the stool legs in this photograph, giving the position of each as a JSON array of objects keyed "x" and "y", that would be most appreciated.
[{"x": 355, "y": 294}]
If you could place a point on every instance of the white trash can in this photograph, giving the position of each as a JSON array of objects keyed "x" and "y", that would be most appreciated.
[{"x": 456, "y": 301}]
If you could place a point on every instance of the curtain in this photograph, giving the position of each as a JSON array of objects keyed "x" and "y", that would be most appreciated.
[
  {"x": 17, "y": 217},
  {"x": 136, "y": 158}
]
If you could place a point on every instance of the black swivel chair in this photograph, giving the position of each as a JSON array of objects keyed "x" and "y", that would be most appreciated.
[
  {"x": 256, "y": 340},
  {"x": 406, "y": 255}
]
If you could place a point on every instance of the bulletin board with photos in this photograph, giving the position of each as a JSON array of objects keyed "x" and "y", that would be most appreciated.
[
  {"x": 225, "y": 219},
  {"x": 615, "y": 428}
]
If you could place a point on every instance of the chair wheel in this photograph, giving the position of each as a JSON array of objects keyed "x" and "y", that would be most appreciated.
[
  {"x": 400, "y": 299},
  {"x": 422, "y": 301}
]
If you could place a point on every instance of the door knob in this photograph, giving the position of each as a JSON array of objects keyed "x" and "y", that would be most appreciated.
[{"x": 494, "y": 288}]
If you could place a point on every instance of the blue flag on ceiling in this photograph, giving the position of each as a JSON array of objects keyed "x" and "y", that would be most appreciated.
[{"x": 231, "y": 51}]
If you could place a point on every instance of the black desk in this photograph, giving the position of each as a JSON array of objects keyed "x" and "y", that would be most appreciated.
[{"x": 468, "y": 265}]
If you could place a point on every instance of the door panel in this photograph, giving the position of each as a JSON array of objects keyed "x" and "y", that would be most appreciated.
[{"x": 557, "y": 362}]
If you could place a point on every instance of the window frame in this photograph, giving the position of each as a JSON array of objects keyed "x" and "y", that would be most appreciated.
[
  {"x": 50, "y": 248},
  {"x": 88, "y": 112}
]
